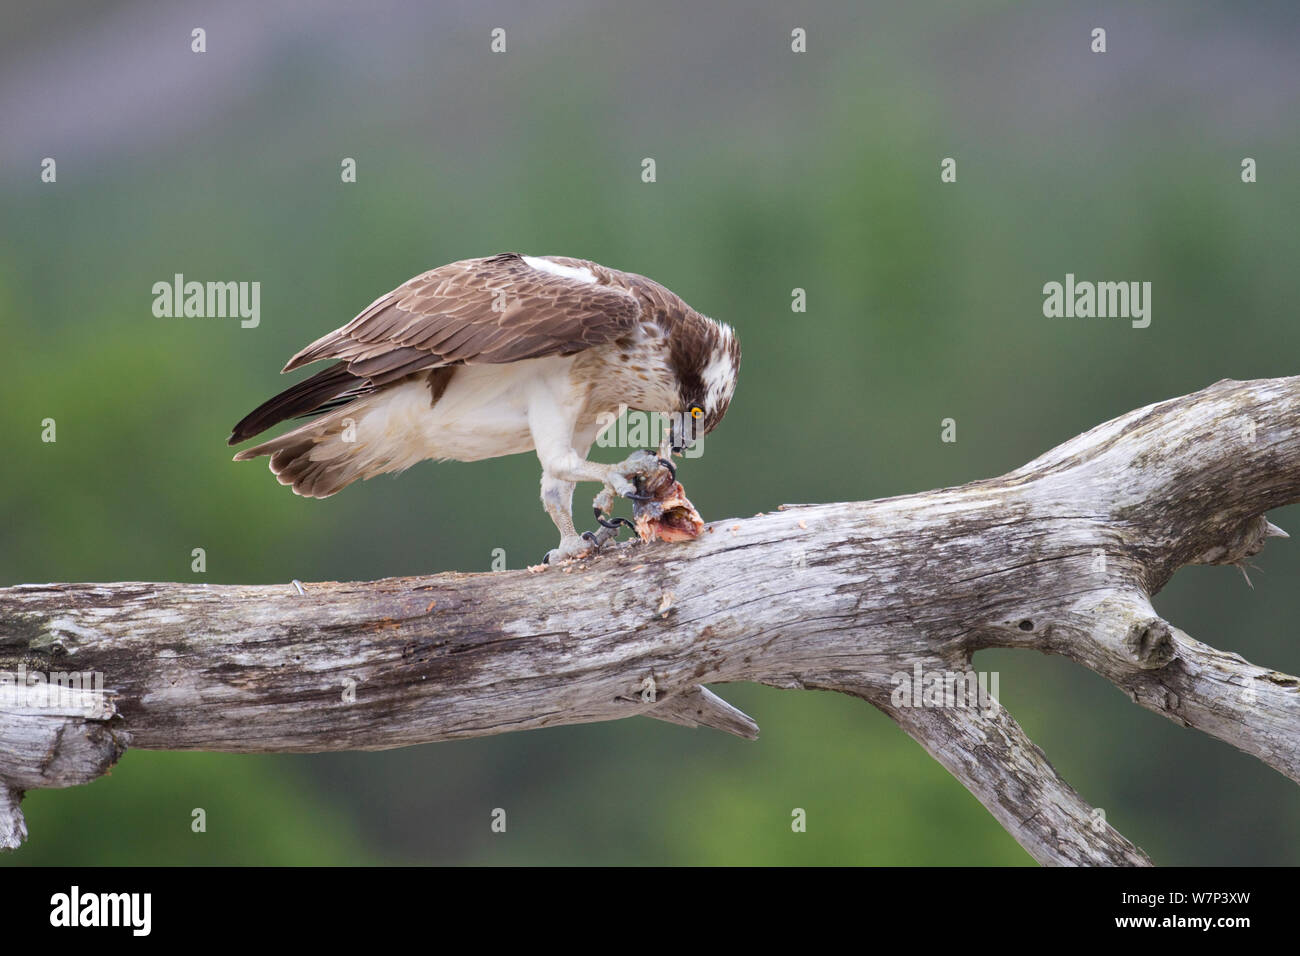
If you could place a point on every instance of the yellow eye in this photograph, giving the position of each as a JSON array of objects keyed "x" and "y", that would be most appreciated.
[{"x": 697, "y": 412}]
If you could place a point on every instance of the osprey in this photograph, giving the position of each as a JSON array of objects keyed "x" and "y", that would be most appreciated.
[{"x": 497, "y": 356}]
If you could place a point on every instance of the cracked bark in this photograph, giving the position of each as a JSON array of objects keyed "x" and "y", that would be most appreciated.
[{"x": 1061, "y": 555}]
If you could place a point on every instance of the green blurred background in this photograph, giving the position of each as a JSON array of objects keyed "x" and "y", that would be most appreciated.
[{"x": 776, "y": 170}]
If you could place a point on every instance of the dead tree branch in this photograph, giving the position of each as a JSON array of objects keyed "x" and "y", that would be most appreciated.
[{"x": 1061, "y": 555}]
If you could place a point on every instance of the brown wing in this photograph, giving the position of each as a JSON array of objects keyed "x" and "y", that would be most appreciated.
[
  {"x": 479, "y": 311},
  {"x": 476, "y": 312}
]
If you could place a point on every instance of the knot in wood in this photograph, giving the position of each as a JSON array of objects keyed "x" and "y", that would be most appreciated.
[{"x": 1151, "y": 643}]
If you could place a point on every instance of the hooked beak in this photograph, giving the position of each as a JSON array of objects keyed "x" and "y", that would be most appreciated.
[{"x": 672, "y": 441}]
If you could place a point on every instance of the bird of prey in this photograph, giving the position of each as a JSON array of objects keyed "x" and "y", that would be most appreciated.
[{"x": 498, "y": 356}]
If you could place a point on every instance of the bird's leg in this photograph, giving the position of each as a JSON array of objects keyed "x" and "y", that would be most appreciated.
[
  {"x": 558, "y": 478},
  {"x": 563, "y": 466},
  {"x": 557, "y": 498}
]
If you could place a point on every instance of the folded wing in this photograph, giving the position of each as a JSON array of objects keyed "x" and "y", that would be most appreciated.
[{"x": 506, "y": 308}]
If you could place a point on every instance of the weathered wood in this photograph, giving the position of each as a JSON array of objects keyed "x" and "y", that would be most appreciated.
[{"x": 1061, "y": 555}]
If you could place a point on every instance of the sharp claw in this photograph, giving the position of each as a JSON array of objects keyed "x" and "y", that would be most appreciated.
[
  {"x": 672, "y": 469},
  {"x": 612, "y": 522}
]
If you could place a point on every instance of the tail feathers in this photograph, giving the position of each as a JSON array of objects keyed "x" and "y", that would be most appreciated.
[
  {"x": 312, "y": 460},
  {"x": 325, "y": 389},
  {"x": 324, "y": 456},
  {"x": 310, "y": 477}
]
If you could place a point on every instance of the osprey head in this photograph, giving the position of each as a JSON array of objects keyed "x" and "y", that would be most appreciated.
[{"x": 707, "y": 362}]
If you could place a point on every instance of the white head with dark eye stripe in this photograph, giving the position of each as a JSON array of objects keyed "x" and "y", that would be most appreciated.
[{"x": 708, "y": 365}]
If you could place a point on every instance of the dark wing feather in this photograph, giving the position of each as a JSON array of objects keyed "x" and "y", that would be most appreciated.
[{"x": 334, "y": 385}]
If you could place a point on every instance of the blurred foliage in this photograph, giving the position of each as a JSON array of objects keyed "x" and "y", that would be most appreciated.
[{"x": 775, "y": 171}]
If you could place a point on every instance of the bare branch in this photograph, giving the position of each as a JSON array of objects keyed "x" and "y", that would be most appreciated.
[
  {"x": 1061, "y": 555},
  {"x": 990, "y": 753}
]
